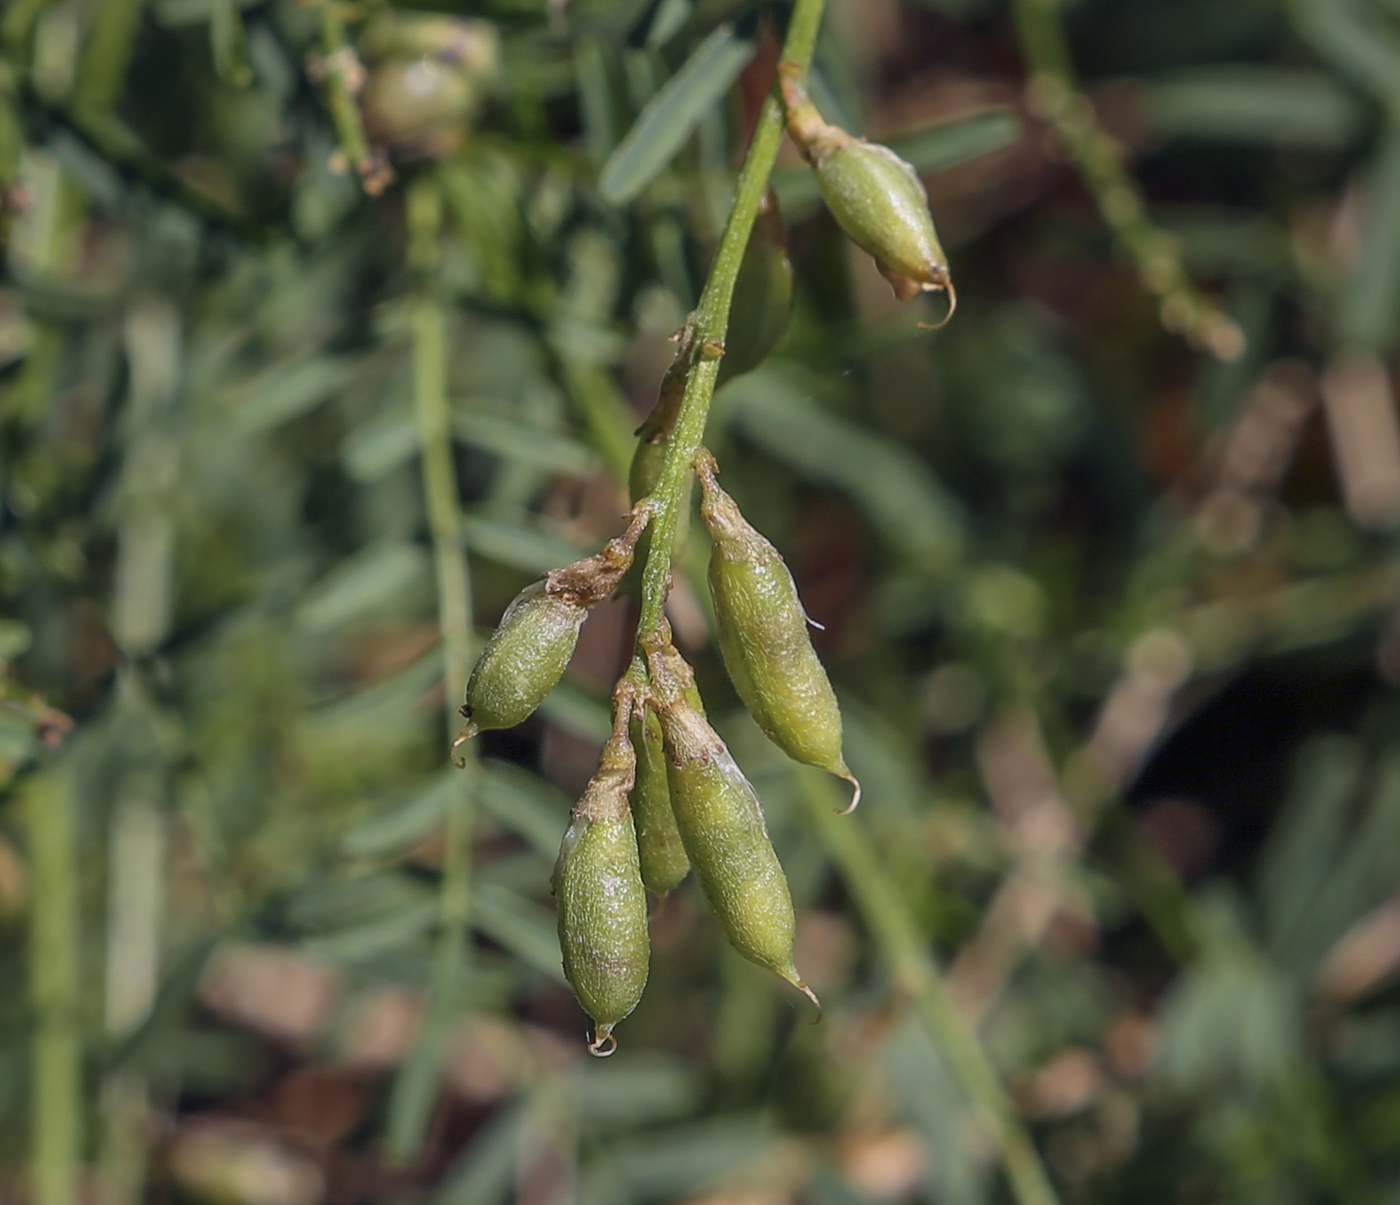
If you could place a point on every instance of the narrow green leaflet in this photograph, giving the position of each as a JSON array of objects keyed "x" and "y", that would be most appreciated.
[
  {"x": 518, "y": 547},
  {"x": 375, "y": 578},
  {"x": 287, "y": 391},
  {"x": 575, "y": 712},
  {"x": 1370, "y": 308},
  {"x": 1253, "y": 105},
  {"x": 397, "y": 829},
  {"x": 667, "y": 121},
  {"x": 522, "y": 927},
  {"x": 524, "y": 803},
  {"x": 483, "y": 1173}
]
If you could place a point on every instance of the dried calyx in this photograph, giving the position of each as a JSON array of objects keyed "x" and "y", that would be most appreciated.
[{"x": 528, "y": 652}]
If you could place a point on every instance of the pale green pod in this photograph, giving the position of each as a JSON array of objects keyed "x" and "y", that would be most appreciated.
[
  {"x": 602, "y": 902},
  {"x": 875, "y": 196},
  {"x": 721, "y": 824},
  {"x": 524, "y": 659},
  {"x": 659, "y": 845},
  {"x": 530, "y": 648},
  {"x": 763, "y": 636}
]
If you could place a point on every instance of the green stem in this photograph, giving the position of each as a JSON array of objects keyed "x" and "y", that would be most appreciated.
[
  {"x": 710, "y": 322},
  {"x": 905, "y": 951},
  {"x": 415, "y": 1089},
  {"x": 53, "y": 991},
  {"x": 1054, "y": 95},
  {"x": 340, "y": 63}
]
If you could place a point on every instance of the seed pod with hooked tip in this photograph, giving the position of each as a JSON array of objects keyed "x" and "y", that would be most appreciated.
[
  {"x": 763, "y": 636},
  {"x": 528, "y": 652},
  {"x": 602, "y": 903},
  {"x": 874, "y": 195},
  {"x": 721, "y": 823},
  {"x": 663, "y": 859}
]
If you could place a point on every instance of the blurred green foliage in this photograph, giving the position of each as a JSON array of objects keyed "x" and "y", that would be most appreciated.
[{"x": 1113, "y": 623}]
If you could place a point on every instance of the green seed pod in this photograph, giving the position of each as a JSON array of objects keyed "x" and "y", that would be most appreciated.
[
  {"x": 663, "y": 859},
  {"x": 721, "y": 823},
  {"x": 530, "y": 649},
  {"x": 763, "y": 636},
  {"x": 602, "y": 903},
  {"x": 524, "y": 659},
  {"x": 762, "y": 305},
  {"x": 874, "y": 195}
]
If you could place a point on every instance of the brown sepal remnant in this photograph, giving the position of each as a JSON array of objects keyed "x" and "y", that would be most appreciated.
[{"x": 592, "y": 579}]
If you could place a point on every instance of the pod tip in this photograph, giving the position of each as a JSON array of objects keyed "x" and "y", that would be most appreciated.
[
  {"x": 603, "y": 1043},
  {"x": 945, "y": 286},
  {"x": 843, "y": 771},
  {"x": 796, "y": 981},
  {"x": 462, "y": 738}
]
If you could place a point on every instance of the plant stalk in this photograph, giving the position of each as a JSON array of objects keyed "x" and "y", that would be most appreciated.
[
  {"x": 709, "y": 324},
  {"x": 905, "y": 951},
  {"x": 56, "y": 1137},
  {"x": 415, "y": 1089},
  {"x": 1053, "y": 94}
]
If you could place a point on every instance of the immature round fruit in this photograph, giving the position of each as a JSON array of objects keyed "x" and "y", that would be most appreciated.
[
  {"x": 874, "y": 195},
  {"x": 763, "y": 636},
  {"x": 419, "y": 106},
  {"x": 721, "y": 823},
  {"x": 602, "y": 902},
  {"x": 659, "y": 845}
]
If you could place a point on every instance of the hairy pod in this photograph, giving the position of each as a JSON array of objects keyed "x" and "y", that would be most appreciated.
[
  {"x": 763, "y": 636},
  {"x": 874, "y": 195},
  {"x": 530, "y": 648},
  {"x": 602, "y": 902},
  {"x": 721, "y": 824},
  {"x": 659, "y": 845},
  {"x": 523, "y": 660}
]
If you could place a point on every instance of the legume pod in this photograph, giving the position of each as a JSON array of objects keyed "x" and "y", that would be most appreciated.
[
  {"x": 530, "y": 648},
  {"x": 721, "y": 824},
  {"x": 874, "y": 195},
  {"x": 602, "y": 903},
  {"x": 763, "y": 636}
]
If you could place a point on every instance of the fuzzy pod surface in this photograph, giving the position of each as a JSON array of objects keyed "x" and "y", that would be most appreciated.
[
  {"x": 531, "y": 646},
  {"x": 763, "y": 636},
  {"x": 524, "y": 658},
  {"x": 659, "y": 846},
  {"x": 721, "y": 824},
  {"x": 875, "y": 196},
  {"x": 602, "y": 903}
]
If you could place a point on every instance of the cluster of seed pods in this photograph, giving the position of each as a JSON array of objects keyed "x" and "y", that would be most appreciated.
[{"x": 668, "y": 797}]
